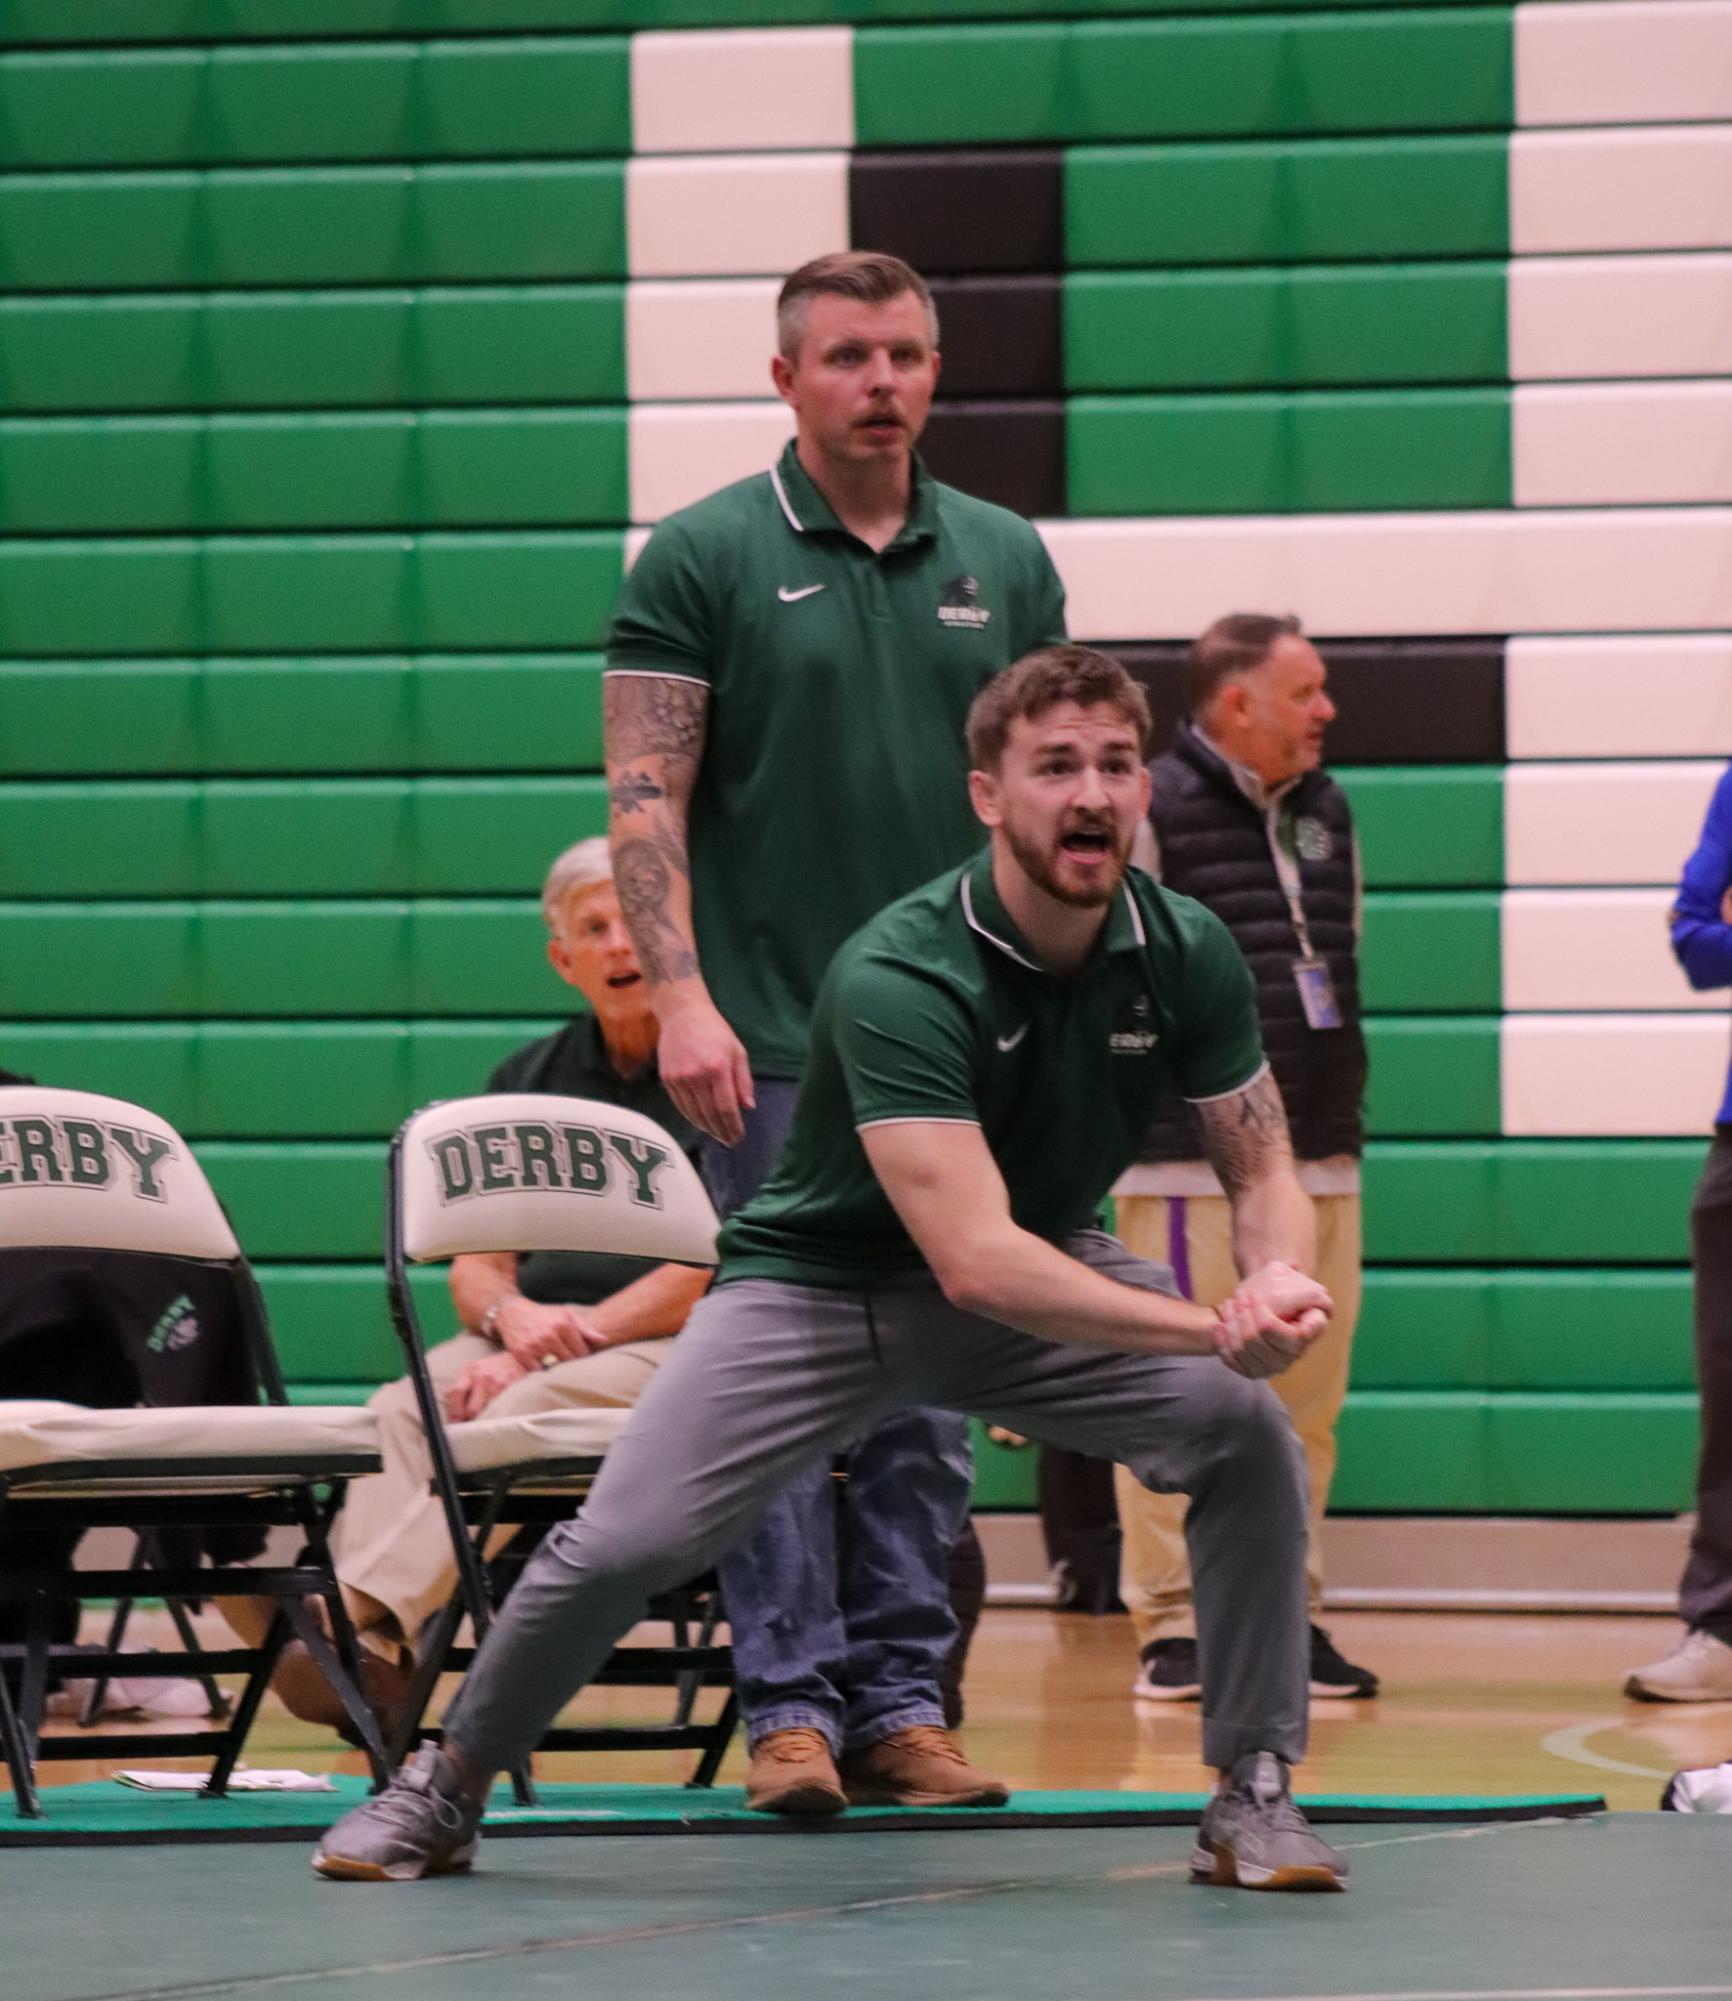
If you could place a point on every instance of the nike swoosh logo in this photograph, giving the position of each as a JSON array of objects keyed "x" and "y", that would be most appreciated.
[
  {"x": 793, "y": 597},
  {"x": 1008, "y": 1042}
]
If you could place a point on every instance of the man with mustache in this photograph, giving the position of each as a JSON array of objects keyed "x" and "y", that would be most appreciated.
[
  {"x": 1242, "y": 817},
  {"x": 985, "y": 1055},
  {"x": 789, "y": 669}
]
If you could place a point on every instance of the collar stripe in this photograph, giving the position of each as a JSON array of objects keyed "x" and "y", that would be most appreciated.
[
  {"x": 794, "y": 521},
  {"x": 992, "y": 937}
]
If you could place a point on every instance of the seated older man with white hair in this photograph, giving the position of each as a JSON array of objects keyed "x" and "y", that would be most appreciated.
[{"x": 541, "y": 1331}]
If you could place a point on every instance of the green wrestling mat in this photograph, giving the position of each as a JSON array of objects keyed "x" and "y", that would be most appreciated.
[{"x": 109, "y": 1813}]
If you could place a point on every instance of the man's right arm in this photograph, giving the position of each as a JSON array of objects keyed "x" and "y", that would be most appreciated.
[
  {"x": 655, "y": 728},
  {"x": 945, "y": 1186}
]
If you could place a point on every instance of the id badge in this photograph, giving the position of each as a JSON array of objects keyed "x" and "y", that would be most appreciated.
[{"x": 1316, "y": 993}]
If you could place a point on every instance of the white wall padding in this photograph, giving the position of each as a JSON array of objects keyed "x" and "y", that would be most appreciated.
[
  {"x": 1585, "y": 318},
  {"x": 1647, "y": 695},
  {"x": 1607, "y": 570},
  {"x": 1612, "y": 1075},
  {"x": 742, "y": 90},
  {"x": 1623, "y": 62},
  {"x": 706, "y": 337},
  {"x": 1611, "y": 444},
  {"x": 1603, "y": 823},
  {"x": 682, "y": 451},
  {"x": 734, "y": 215},
  {"x": 1580, "y": 950},
  {"x": 1652, "y": 187}
]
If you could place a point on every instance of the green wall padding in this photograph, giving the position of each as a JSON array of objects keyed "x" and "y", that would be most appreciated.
[
  {"x": 1431, "y": 1078},
  {"x": 318, "y": 593},
  {"x": 1431, "y": 953},
  {"x": 313, "y": 226},
  {"x": 1272, "y": 328},
  {"x": 384, "y": 101},
  {"x": 1430, "y": 826},
  {"x": 1269, "y": 203},
  {"x": 1327, "y": 452},
  {"x": 472, "y": 712},
  {"x": 1412, "y": 70}
]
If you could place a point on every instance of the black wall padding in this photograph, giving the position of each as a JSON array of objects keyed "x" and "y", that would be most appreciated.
[
  {"x": 1001, "y": 336},
  {"x": 954, "y": 211},
  {"x": 1401, "y": 701},
  {"x": 1012, "y": 453}
]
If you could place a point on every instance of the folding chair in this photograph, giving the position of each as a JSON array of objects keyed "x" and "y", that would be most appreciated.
[
  {"x": 79, "y": 1172},
  {"x": 526, "y": 1171}
]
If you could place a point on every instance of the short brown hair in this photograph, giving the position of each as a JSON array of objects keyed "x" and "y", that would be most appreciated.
[
  {"x": 1236, "y": 644},
  {"x": 873, "y": 277},
  {"x": 1040, "y": 681}
]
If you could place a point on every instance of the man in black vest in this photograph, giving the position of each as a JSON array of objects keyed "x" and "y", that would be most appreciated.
[{"x": 1243, "y": 819}]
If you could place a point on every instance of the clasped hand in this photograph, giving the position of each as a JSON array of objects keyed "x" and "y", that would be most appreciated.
[{"x": 1270, "y": 1321}]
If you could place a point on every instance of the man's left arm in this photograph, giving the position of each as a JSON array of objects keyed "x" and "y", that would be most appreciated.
[{"x": 1246, "y": 1142}]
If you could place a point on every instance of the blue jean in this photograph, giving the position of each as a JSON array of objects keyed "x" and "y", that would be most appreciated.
[{"x": 839, "y": 1599}]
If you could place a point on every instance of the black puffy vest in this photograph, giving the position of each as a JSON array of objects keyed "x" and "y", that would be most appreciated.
[{"x": 1215, "y": 846}]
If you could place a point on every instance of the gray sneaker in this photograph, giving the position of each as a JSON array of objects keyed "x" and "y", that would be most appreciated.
[
  {"x": 1254, "y": 1837},
  {"x": 420, "y": 1825}
]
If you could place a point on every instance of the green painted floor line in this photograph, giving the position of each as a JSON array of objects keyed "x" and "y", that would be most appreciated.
[{"x": 103, "y": 1812}]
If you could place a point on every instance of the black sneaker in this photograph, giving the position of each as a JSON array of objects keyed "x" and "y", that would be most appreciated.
[
  {"x": 1167, "y": 1672},
  {"x": 1332, "y": 1675}
]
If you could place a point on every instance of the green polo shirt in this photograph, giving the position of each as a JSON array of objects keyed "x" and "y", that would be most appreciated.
[
  {"x": 573, "y": 1063},
  {"x": 939, "y": 1011},
  {"x": 833, "y": 777}
]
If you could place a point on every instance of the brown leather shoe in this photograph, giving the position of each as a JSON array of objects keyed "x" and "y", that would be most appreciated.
[
  {"x": 792, "y": 1771},
  {"x": 922, "y": 1766},
  {"x": 299, "y": 1684}
]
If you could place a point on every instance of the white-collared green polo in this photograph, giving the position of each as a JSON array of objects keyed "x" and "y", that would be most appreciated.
[
  {"x": 834, "y": 771},
  {"x": 939, "y": 1011}
]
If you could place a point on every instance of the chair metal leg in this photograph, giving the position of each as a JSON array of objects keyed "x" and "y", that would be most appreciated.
[
  {"x": 38, "y": 1637},
  {"x": 258, "y": 1684},
  {"x": 17, "y": 1756},
  {"x": 343, "y": 1652},
  {"x": 219, "y": 1702},
  {"x": 116, "y": 1634},
  {"x": 717, "y": 1749}
]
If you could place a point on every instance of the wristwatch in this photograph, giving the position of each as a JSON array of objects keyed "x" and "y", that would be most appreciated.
[{"x": 488, "y": 1325}]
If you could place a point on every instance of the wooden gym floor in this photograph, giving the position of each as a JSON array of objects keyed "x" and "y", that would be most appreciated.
[{"x": 1472, "y": 1704}]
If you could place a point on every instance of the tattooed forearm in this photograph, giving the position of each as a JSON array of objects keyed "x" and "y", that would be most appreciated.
[
  {"x": 651, "y": 715},
  {"x": 1244, "y": 1136},
  {"x": 629, "y": 791},
  {"x": 646, "y": 868}
]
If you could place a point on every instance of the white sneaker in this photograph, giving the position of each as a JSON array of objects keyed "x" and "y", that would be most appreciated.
[
  {"x": 1708, "y": 1789},
  {"x": 1698, "y": 1669},
  {"x": 128, "y": 1695}
]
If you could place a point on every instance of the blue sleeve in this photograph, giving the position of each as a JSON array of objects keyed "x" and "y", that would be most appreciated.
[{"x": 1701, "y": 939}]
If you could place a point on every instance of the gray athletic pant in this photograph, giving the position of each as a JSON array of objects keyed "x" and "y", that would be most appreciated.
[{"x": 767, "y": 1376}]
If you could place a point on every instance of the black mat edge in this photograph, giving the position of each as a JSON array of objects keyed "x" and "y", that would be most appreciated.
[{"x": 36, "y": 1834}]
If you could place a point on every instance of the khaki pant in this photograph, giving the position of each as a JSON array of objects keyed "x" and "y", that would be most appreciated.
[
  {"x": 1155, "y": 1578},
  {"x": 392, "y": 1547}
]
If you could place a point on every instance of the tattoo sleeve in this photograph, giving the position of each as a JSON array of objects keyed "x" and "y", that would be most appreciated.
[
  {"x": 655, "y": 729},
  {"x": 1244, "y": 1136}
]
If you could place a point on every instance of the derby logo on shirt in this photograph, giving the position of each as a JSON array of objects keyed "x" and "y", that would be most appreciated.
[
  {"x": 1134, "y": 1036},
  {"x": 40, "y": 1151},
  {"x": 958, "y": 604},
  {"x": 555, "y": 1159}
]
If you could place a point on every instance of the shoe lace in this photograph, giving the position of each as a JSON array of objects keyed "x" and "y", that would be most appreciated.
[
  {"x": 792, "y": 1747},
  {"x": 930, "y": 1742},
  {"x": 413, "y": 1797}
]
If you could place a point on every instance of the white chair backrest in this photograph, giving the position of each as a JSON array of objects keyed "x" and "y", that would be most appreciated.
[
  {"x": 85, "y": 1172},
  {"x": 527, "y": 1171}
]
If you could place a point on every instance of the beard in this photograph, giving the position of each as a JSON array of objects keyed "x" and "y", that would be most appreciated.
[{"x": 1040, "y": 865}]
